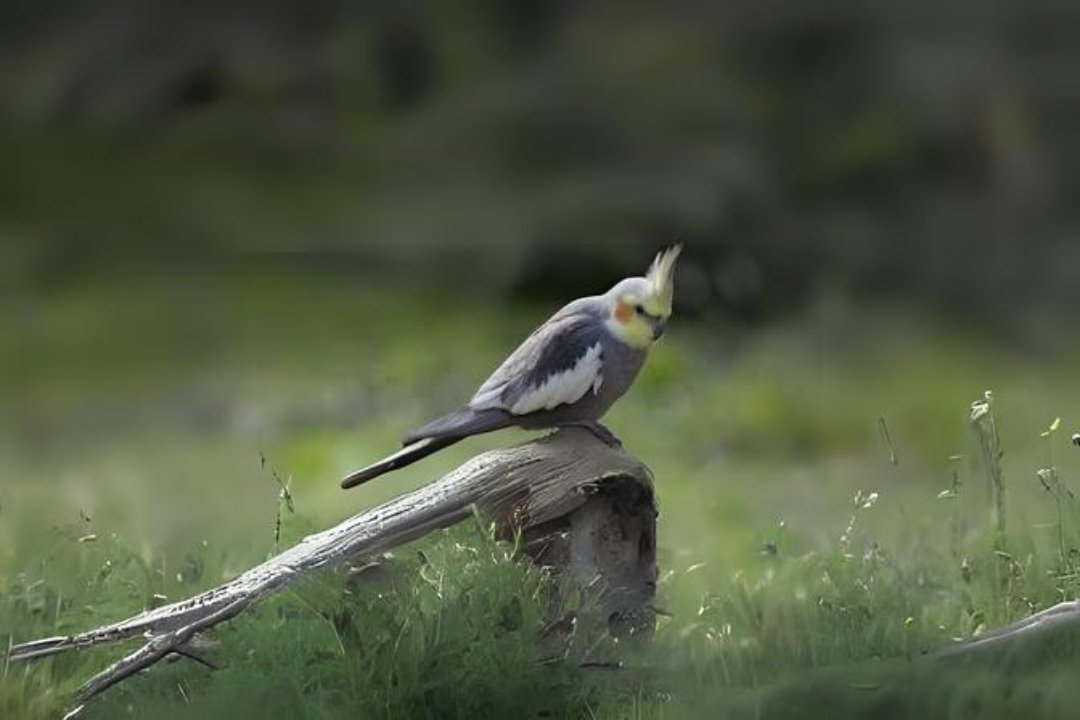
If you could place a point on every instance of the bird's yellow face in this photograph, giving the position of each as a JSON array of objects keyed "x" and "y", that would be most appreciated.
[
  {"x": 640, "y": 307},
  {"x": 639, "y": 319}
]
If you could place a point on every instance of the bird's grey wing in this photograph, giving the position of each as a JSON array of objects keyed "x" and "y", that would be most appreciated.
[
  {"x": 461, "y": 423},
  {"x": 556, "y": 365}
]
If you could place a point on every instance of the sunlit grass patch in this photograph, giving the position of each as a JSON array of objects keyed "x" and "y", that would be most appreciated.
[{"x": 457, "y": 625}]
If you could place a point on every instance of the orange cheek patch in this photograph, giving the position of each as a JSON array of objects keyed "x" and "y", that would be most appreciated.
[{"x": 623, "y": 312}]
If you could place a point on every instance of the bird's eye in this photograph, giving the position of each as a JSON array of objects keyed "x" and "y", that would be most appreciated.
[{"x": 639, "y": 309}]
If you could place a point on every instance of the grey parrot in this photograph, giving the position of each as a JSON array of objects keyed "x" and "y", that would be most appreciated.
[{"x": 568, "y": 372}]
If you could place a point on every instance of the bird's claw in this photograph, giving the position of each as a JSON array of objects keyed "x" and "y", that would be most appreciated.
[{"x": 600, "y": 431}]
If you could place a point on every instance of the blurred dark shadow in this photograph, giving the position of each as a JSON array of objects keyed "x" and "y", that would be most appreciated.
[{"x": 898, "y": 150}]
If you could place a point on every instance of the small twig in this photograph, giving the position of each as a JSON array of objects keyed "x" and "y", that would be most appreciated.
[
  {"x": 192, "y": 656},
  {"x": 888, "y": 440},
  {"x": 982, "y": 420},
  {"x": 285, "y": 499},
  {"x": 158, "y": 647}
]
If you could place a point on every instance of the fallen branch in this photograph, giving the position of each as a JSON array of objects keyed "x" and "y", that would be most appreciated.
[
  {"x": 1045, "y": 624},
  {"x": 534, "y": 488}
]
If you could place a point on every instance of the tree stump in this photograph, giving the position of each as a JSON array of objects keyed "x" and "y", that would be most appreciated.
[
  {"x": 606, "y": 549},
  {"x": 582, "y": 508}
]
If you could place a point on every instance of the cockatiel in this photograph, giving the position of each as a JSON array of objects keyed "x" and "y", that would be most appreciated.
[{"x": 568, "y": 372}]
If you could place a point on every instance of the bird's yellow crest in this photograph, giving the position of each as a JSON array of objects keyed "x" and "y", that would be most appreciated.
[{"x": 661, "y": 276}]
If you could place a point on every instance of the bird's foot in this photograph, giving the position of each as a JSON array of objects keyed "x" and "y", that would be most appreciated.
[{"x": 600, "y": 431}]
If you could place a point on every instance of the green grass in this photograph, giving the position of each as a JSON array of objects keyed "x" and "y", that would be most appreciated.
[{"x": 803, "y": 572}]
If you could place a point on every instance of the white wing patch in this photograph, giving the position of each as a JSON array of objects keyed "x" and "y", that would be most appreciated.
[{"x": 563, "y": 388}]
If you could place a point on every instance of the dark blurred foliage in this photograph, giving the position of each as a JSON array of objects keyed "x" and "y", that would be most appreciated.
[{"x": 916, "y": 150}]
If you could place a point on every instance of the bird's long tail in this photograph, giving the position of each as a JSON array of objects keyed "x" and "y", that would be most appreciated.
[{"x": 405, "y": 456}]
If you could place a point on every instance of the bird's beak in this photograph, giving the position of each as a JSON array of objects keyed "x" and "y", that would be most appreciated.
[{"x": 658, "y": 328}]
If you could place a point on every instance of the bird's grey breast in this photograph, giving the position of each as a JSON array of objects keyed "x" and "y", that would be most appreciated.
[{"x": 620, "y": 367}]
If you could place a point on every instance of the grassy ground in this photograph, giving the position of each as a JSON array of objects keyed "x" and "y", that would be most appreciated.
[{"x": 805, "y": 573}]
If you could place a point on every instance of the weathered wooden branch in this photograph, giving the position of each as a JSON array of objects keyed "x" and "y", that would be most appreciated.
[
  {"x": 581, "y": 506},
  {"x": 1050, "y": 623}
]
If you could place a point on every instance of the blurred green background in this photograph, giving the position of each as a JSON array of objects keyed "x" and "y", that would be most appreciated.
[{"x": 247, "y": 239}]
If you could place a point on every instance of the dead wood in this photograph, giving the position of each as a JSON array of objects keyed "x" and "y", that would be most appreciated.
[
  {"x": 584, "y": 508},
  {"x": 1058, "y": 622}
]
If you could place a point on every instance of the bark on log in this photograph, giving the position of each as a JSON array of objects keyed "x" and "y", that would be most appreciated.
[
  {"x": 606, "y": 549},
  {"x": 1039, "y": 628},
  {"x": 583, "y": 507}
]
